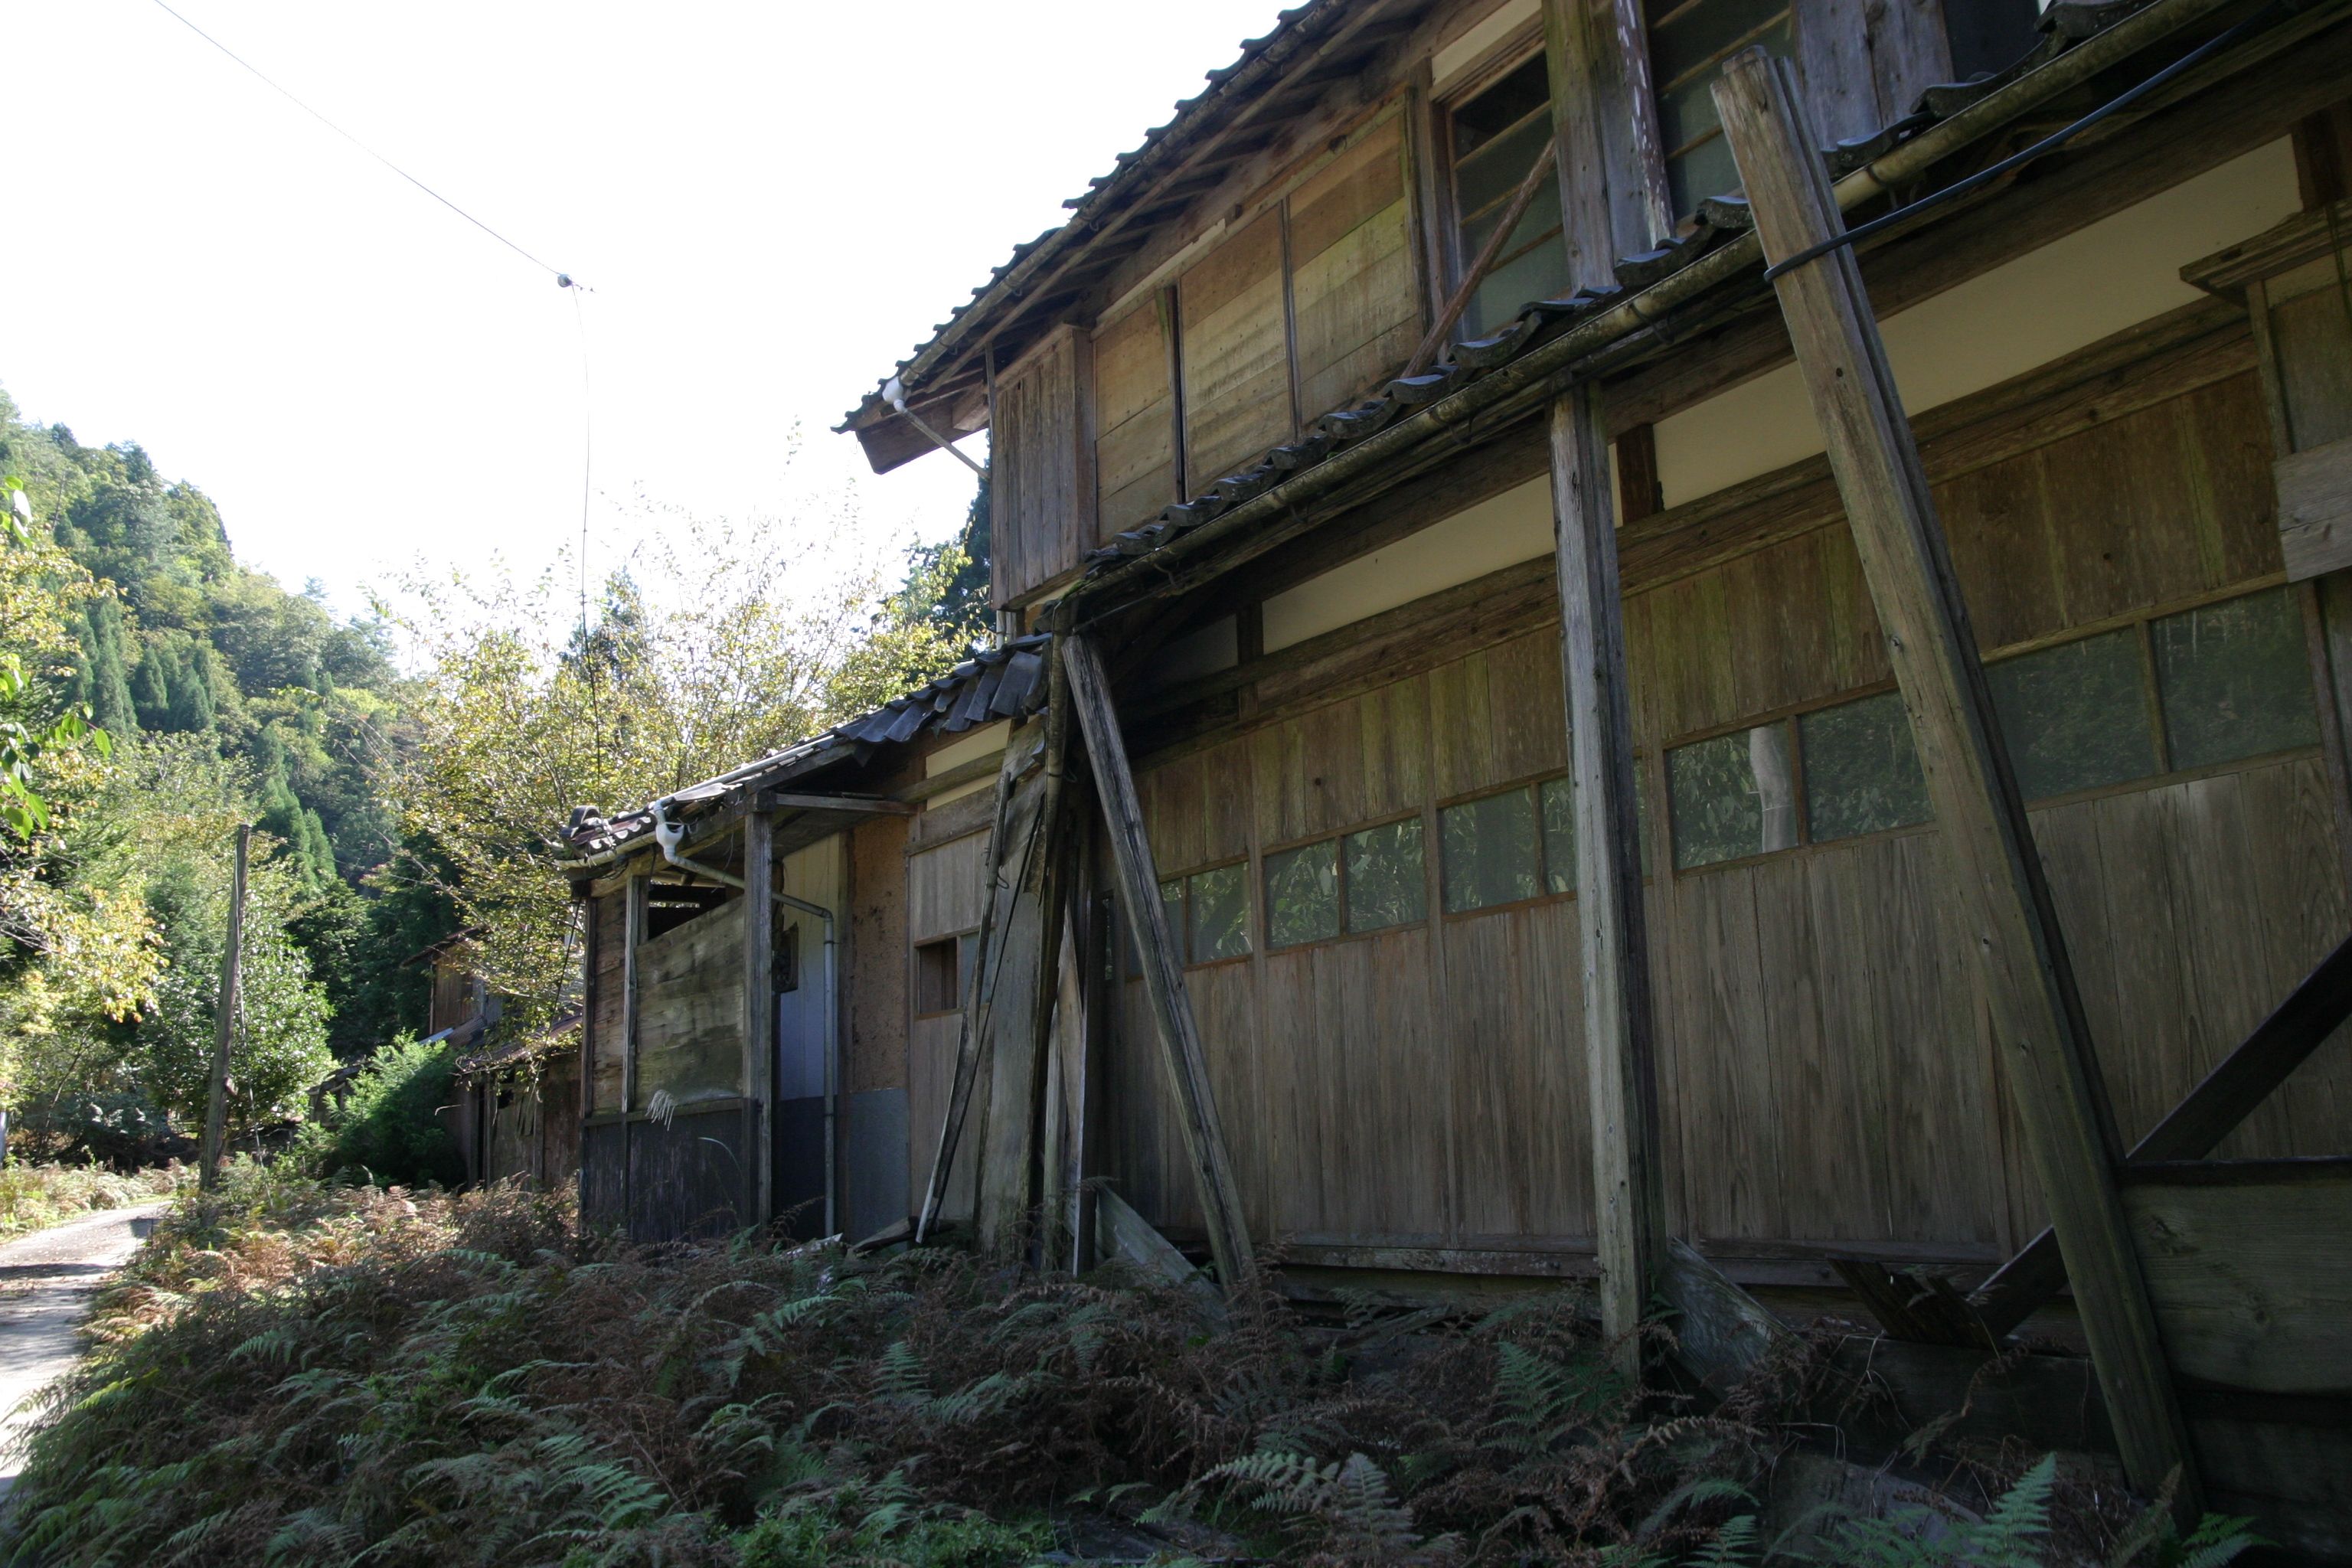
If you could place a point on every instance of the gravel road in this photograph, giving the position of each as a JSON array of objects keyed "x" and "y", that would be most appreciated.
[{"x": 46, "y": 1280}]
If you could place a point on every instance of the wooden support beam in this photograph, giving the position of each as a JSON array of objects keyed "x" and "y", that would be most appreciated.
[
  {"x": 1619, "y": 1030},
  {"x": 1721, "y": 1332},
  {"x": 1613, "y": 186},
  {"x": 1019, "y": 1010},
  {"x": 758, "y": 1017},
  {"x": 2209, "y": 1112},
  {"x": 971, "y": 1035},
  {"x": 1138, "y": 883},
  {"x": 2002, "y": 896}
]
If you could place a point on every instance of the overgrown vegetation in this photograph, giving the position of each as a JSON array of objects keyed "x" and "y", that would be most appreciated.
[
  {"x": 154, "y": 691},
  {"x": 312, "y": 1374},
  {"x": 33, "y": 1196},
  {"x": 385, "y": 1130}
]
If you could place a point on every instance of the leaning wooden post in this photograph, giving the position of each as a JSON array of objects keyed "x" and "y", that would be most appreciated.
[
  {"x": 2037, "y": 1019},
  {"x": 225, "y": 1024},
  {"x": 1163, "y": 978},
  {"x": 1628, "y": 1193},
  {"x": 760, "y": 1020}
]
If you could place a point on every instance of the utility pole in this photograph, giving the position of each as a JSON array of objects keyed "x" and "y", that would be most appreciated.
[{"x": 217, "y": 1102}]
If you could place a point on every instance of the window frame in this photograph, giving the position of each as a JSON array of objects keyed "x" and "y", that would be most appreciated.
[
  {"x": 1655, "y": 14},
  {"x": 1431, "y": 898},
  {"x": 1513, "y": 54},
  {"x": 955, "y": 942},
  {"x": 1252, "y": 884}
]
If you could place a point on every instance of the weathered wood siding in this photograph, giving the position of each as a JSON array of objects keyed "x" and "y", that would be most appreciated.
[
  {"x": 1236, "y": 351},
  {"x": 1041, "y": 465},
  {"x": 685, "y": 1175},
  {"x": 876, "y": 958},
  {"x": 690, "y": 1009},
  {"x": 1353, "y": 290},
  {"x": 1135, "y": 415},
  {"x": 607, "y": 1036},
  {"x": 1826, "y": 1075}
]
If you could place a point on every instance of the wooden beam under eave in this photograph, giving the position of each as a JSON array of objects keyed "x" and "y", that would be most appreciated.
[
  {"x": 1138, "y": 883},
  {"x": 1997, "y": 875}
]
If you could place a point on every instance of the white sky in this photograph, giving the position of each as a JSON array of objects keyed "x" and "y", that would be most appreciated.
[{"x": 772, "y": 202}]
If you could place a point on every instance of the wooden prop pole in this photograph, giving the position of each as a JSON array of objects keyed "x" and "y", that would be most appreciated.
[
  {"x": 1629, "y": 1200},
  {"x": 1138, "y": 883},
  {"x": 224, "y": 1023},
  {"x": 1997, "y": 875}
]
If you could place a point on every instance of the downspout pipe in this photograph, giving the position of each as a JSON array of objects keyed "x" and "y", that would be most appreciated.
[{"x": 670, "y": 835}]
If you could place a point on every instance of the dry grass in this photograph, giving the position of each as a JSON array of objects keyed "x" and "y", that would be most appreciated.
[
  {"x": 33, "y": 1197},
  {"x": 309, "y": 1375}
]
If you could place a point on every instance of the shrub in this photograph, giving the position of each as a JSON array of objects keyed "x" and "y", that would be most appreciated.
[{"x": 389, "y": 1128}]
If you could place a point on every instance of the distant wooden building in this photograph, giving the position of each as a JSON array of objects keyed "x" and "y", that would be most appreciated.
[
  {"x": 514, "y": 1110},
  {"x": 1525, "y": 747}
]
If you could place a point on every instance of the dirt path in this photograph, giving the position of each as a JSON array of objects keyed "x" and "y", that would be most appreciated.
[{"x": 46, "y": 1280}]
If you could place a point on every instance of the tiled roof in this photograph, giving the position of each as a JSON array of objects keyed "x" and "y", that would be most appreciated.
[
  {"x": 1719, "y": 219},
  {"x": 994, "y": 683}
]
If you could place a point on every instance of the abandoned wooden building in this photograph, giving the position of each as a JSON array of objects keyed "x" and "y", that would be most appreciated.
[
  {"x": 514, "y": 1109},
  {"x": 1589, "y": 691}
]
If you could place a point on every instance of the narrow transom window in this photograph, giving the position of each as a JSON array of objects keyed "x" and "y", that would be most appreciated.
[
  {"x": 1861, "y": 772},
  {"x": 1488, "y": 850},
  {"x": 1386, "y": 882},
  {"x": 2074, "y": 716}
]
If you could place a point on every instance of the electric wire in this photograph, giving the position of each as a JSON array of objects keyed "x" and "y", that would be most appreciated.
[
  {"x": 2050, "y": 144},
  {"x": 355, "y": 141}
]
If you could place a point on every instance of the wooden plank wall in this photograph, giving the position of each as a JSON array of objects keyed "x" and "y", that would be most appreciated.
[
  {"x": 1236, "y": 339},
  {"x": 606, "y": 1037},
  {"x": 690, "y": 1009},
  {"x": 875, "y": 963},
  {"x": 1825, "y": 1078},
  {"x": 1353, "y": 287},
  {"x": 1135, "y": 417},
  {"x": 1041, "y": 466}
]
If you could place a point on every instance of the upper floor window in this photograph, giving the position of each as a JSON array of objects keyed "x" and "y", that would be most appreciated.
[
  {"x": 1495, "y": 136},
  {"x": 1689, "y": 41}
]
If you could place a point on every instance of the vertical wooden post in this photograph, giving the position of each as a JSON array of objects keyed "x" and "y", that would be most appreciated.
[
  {"x": 1612, "y": 199},
  {"x": 224, "y": 1023},
  {"x": 1628, "y": 1193},
  {"x": 759, "y": 1017},
  {"x": 1164, "y": 977},
  {"x": 2037, "y": 1019}
]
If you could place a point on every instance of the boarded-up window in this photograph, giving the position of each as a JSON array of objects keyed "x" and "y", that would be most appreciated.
[
  {"x": 2074, "y": 716},
  {"x": 2235, "y": 680},
  {"x": 1041, "y": 469},
  {"x": 1236, "y": 339},
  {"x": 1861, "y": 772},
  {"x": 1351, "y": 272},
  {"x": 1135, "y": 417},
  {"x": 690, "y": 1010}
]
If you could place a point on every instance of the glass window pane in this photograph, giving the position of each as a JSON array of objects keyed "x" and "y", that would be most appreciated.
[
  {"x": 1172, "y": 904},
  {"x": 2236, "y": 679},
  {"x": 1539, "y": 274},
  {"x": 2074, "y": 716},
  {"x": 1861, "y": 773},
  {"x": 1704, "y": 33},
  {"x": 1488, "y": 850},
  {"x": 1220, "y": 900},
  {"x": 1558, "y": 800},
  {"x": 1501, "y": 106},
  {"x": 1486, "y": 178},
  {"x": 1302, "y": 894},
  {"x": 1385, "y": 883},
  {"x": 1685, "y": 56},
  {"x": 1732, "y": 795}
]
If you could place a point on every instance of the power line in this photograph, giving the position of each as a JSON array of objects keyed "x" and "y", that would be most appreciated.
[{"x": 561, "y": 278}]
